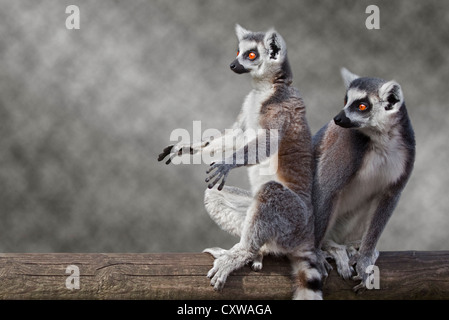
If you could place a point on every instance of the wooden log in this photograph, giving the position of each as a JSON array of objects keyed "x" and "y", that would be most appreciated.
[{"x": 403, "y": 275}]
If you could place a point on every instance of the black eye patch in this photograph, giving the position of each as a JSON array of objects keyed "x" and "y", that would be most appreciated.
[
  {"x": 361, "y": 106},
  {"x": 251, "y": 54}
]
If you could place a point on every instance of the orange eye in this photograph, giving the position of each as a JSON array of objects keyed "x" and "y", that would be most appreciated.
[
  {"x": 252, "y": 56},
  {"x": 362, "y": 107},
  {"x": 238, "y": 52}
]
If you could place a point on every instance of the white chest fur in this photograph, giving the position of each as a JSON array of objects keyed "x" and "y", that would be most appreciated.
[
  {"x": 252, "y": 105},
  {"x": 251, "y": 110},
  {"x": 382, "y": 165}
]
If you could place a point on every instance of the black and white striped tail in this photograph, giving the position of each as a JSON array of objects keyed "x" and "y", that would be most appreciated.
[{"x": 307, "y": 279}]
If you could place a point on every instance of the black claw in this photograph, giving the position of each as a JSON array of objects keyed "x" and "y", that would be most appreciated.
[
  {"x": 162, "y": 156},
  {"x": 220, "y": 187},
  {"x": 213, "y": 175},
  {"x": 211, "y": 169},
  {"x": 165, "y": 152}
]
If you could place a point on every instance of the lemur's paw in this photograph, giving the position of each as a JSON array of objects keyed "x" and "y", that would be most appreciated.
[
  {"x": 360, "y": 288},
  {"x": 165, "y": 152},
  {"x": 327, "y": 267},
  {"x": 342, "y": 262},
  {"x": 219, "y": 273},
  {"x": 345, "y": 271},
  {"x": 257, "y": 265},
  {"x": 339, "y": 254},
  {"x": 352, "y": 248},
  {"x": 173, "y": 151},
  {"x": 216, "y": 252},
  {"x": 324, "y": 267},
  {"x": 221, "y": 173},
  {"x": 362, "y": 262},
  {"x": 352, "y": 251}
]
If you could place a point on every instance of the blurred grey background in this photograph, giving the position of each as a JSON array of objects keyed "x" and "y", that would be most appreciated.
[{"x": 84, "y": 113}]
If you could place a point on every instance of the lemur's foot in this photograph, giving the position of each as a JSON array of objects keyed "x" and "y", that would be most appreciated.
[
  {"x": 256, "y": 264},
  {"x": 339, "y": 254},
  {"x": 227, "y": 262},
  {"x": 343, "y": 269},
  {"x": 362, "y": 262},
  {"x": 216, "y": 252},
  {"x": 220, "y": 271},
  {"x": 223, "y": 267},
  {"x": 323, "y": 265},
  {"x": 352, "y": 248}
]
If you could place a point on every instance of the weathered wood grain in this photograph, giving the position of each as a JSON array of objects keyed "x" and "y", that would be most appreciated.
[{"x": 403, "y": 275}]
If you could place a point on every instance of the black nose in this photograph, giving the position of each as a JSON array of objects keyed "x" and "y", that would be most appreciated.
[
  {"x": 343, "y": 121},
  {"x": 337, "y": 119},
  {"x": 237, "y": 67}
]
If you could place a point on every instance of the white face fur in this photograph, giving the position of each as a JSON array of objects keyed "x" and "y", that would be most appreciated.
[
  {"x": 371, "y": 104},
  {"x": 262, "y": 54}
]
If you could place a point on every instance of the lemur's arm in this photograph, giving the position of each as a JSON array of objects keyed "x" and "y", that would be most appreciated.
[
  {"x": 332, "y": 173},
  {"x": 378, "y": 222},
  {"x": 367, "y": 254},
  {"x": 215, "y": 144},
  {"x": 256, "y": 151}
]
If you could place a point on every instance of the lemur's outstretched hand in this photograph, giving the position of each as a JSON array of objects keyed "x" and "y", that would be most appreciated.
[
  {"x": 221, "y": 172},
  {"x": 165, "y": 153},
  {"x": 174, "y": 150},
  {"x": 179, "y": 149}
]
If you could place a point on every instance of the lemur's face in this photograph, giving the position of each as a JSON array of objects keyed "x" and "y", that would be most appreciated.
[
  {"x": 249, "y": 57},
  {"x": 259, "y": 53},
  {"x": 371, "y": 104}
]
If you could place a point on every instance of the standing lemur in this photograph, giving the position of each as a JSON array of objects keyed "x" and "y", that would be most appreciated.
[
  {"x": 363, "y": 160},
  {"x": 276, "y": 216}
]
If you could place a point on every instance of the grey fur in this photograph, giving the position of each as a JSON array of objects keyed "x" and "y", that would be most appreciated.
[
  {"x": 276, "y": 215},
  {"x": 347, "y": 76},
  {"x": 360, "y": 173}
]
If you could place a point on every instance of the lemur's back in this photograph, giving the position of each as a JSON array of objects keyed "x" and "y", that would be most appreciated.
[{"x": 295, "y": 149}]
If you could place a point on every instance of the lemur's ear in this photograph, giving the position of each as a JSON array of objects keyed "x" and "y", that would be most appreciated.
[
  {"x": 241, "y": 32},
  {"x": 391, "y": 92},
  {"x": 348, "y": 77},
  {"x": 275, "y": 44}
]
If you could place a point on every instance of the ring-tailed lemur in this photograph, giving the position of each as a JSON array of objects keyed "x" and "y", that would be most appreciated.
[
  {"x": 276, "y": 215},
  {"x": 363, "y": 160}
]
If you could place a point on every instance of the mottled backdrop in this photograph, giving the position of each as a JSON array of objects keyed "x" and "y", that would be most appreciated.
[{"x": 84, "y": 113}]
